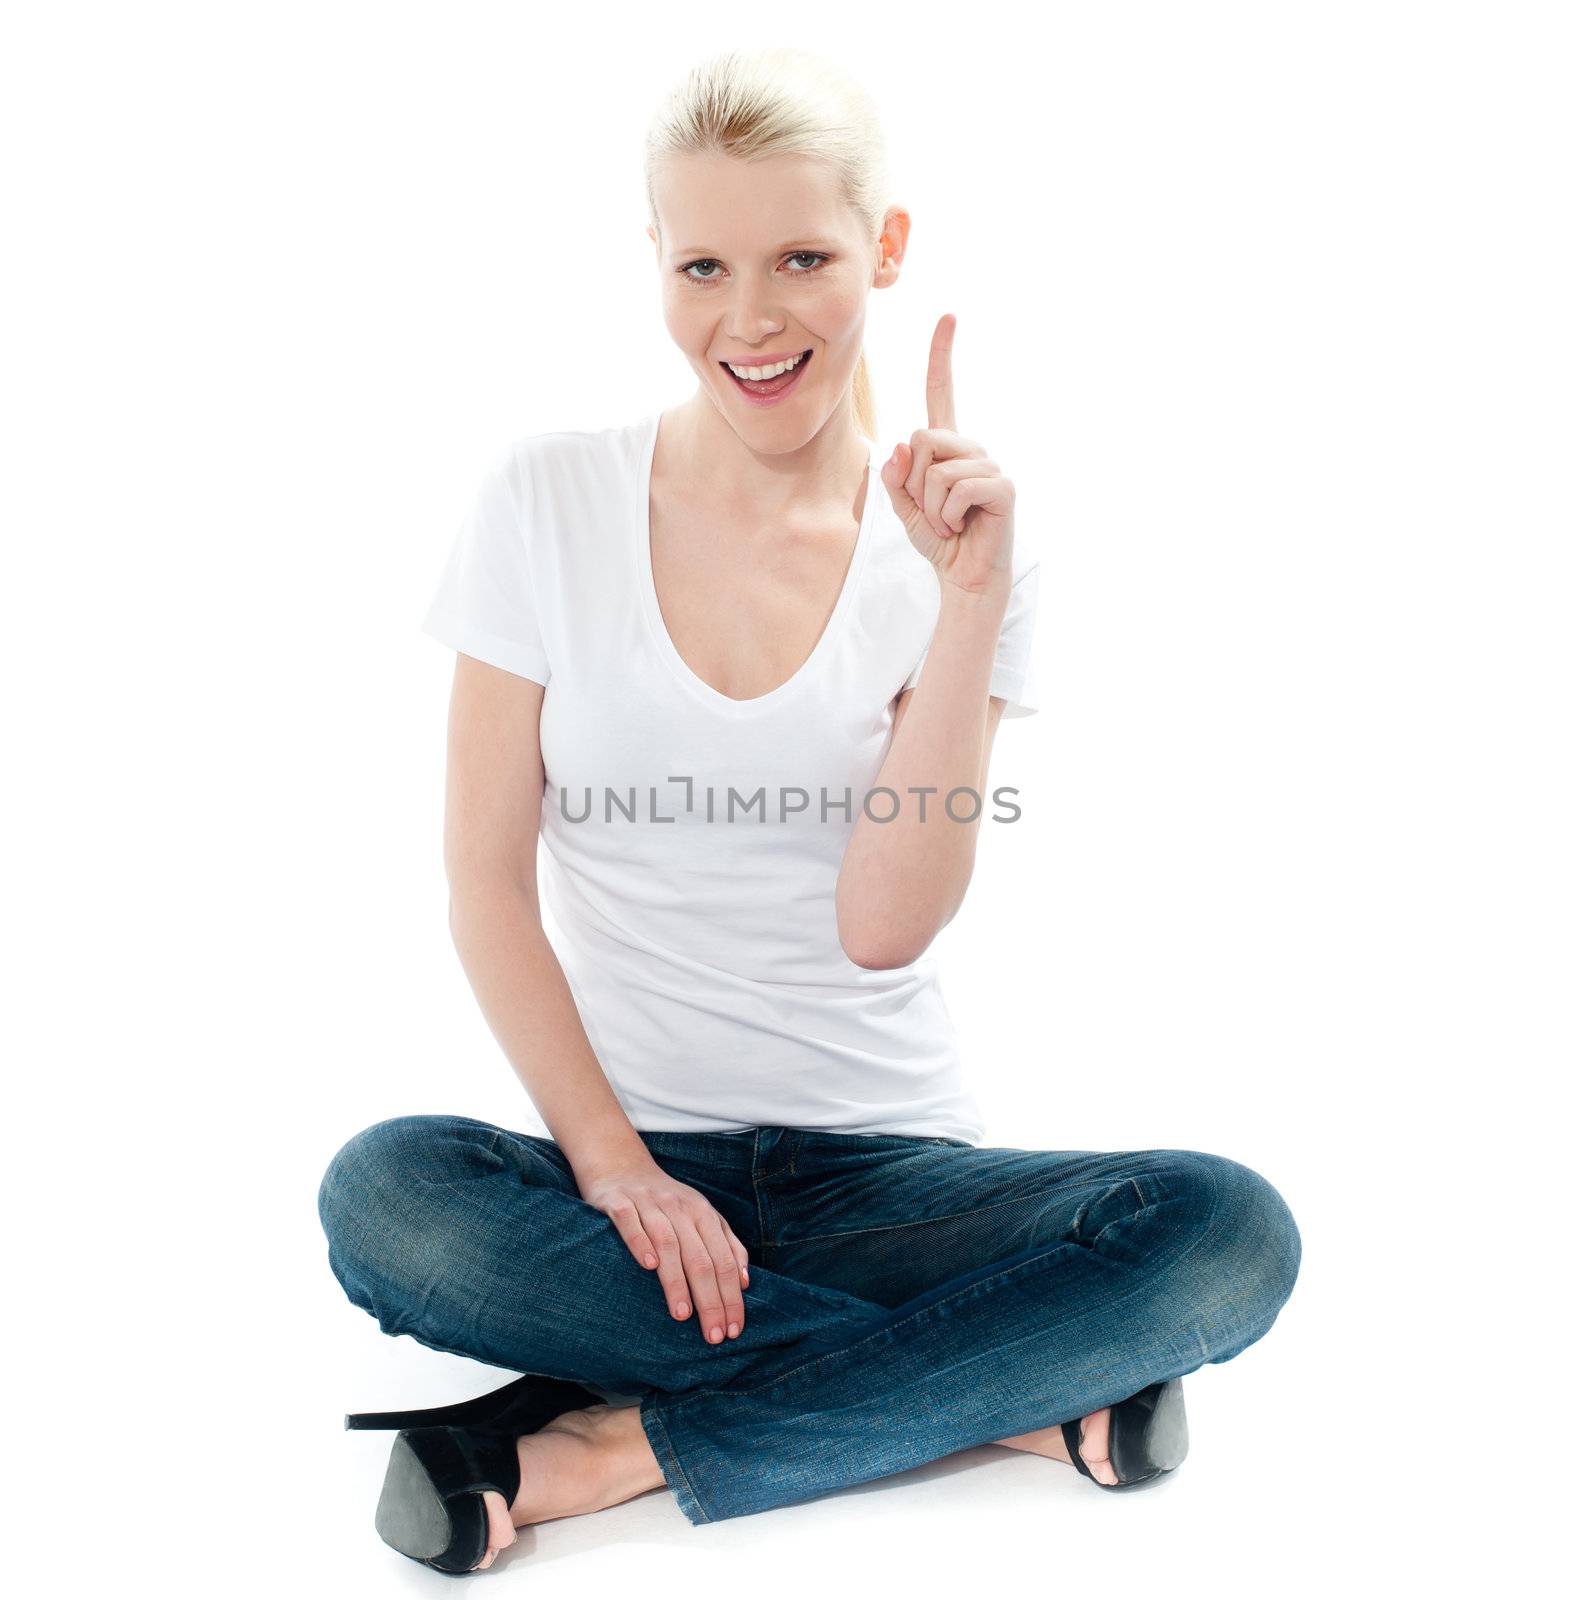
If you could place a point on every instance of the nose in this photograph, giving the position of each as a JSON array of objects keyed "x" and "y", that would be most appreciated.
[
  {"x": 754, "y": 319},
  {"x": 754, "y": 334}
]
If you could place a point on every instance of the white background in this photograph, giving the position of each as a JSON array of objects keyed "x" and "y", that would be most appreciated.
[{"x": 1265, "y": 309}]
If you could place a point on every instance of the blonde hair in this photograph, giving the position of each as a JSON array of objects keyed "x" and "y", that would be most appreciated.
[{"x": 776, "y": 101}]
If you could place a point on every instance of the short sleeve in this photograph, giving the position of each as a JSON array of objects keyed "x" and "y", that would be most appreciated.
[
  {"x": 1014, "y": 678},
  {"x": 484, "y": 605}
]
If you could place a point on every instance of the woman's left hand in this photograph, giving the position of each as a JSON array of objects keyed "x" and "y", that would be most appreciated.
[{"x": 958, "y": 508}]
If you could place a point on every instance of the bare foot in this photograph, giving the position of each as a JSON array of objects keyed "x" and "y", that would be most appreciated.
[
  {"x": 579, "y": 1462},
  {"x": 1051, "y": 1442}
]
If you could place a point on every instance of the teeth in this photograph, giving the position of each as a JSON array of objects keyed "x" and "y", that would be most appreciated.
[{"x": 756, "y": 373}]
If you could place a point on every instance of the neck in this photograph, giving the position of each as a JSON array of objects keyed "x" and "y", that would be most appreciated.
[{"x": 816, "y": 478}]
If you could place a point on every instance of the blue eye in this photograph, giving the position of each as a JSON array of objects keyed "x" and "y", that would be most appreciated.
[{"x": 818, "y": 257}]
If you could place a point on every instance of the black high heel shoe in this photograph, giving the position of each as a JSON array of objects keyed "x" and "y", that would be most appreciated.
[
  {"x": 1147, "y": 1436},
  {"x": 445, "y": 1457}
]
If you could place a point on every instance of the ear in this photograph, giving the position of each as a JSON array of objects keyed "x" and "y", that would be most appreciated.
[{"x": 892, "y": 247}]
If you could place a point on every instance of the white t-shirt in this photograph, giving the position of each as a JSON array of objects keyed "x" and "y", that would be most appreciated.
[{"x": 697, "y": 927}]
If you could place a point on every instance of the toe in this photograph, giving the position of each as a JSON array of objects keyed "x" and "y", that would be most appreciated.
[
  {"x": 1095, "y": 1446},
  {"x": 500, "y": 1531}
]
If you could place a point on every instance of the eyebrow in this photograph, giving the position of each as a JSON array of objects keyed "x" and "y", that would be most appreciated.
[{"x": 791, "y": 244}]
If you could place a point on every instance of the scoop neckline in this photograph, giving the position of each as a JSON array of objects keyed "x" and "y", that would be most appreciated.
[{"x": 652, "y": 605}]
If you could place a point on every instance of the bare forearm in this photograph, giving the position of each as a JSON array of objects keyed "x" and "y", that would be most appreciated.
[
  {"x": 902, "y": 880},
  {"x": 525, "y": 998}
]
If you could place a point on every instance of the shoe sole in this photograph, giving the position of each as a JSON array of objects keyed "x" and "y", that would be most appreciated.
[
  {"x": 412, "y": 1516},
  {"x": 1164, "y": 1443},
  {"x": 1168, "y": 1438}
]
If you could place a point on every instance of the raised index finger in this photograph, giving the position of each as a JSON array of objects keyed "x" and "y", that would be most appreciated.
[{"x": 941, "y": 395}]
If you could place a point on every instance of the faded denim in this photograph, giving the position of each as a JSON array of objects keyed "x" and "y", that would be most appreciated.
[{"x": 908, "y": 1297}]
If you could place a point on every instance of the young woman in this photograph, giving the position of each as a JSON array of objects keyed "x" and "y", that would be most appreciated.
[{"x": 747, "y": 696}]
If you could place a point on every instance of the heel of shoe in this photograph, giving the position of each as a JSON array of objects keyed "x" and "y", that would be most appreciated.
[{"x": 461, "y": 1413}]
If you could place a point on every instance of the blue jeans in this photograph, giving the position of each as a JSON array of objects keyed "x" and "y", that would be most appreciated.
[{"x": 908, "y": 1297}]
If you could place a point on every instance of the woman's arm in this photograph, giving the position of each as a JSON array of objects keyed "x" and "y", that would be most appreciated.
[
  {"x": 492, "y": 822},
  {"x": 901, "y": 881},
  {"x": 492, "y": 827}
]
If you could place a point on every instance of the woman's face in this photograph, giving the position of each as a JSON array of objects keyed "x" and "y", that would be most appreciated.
[{"x": 759, "y": 260}]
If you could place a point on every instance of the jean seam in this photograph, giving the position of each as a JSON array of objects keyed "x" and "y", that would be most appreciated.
[
  {"x": 759, "y": 1204},
  {"x": 667, "y": 1454},
  {"x": 1021, "y": 1266},
  {"x": 913, "y": 1222}
]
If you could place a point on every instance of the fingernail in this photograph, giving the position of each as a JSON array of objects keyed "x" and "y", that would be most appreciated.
[
  {"x": 715, "y": 1336},
  {"x": 731, "y": 1328},
  {"x": 682, "y": 1308}
]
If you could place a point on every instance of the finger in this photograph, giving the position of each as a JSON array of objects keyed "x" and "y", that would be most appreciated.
[
  {"x": 625, "y": 1218},
  {"x": 954, "y": 487},
  {"x": 964, "y": 495},
  {"x": 894, "y": 476},
  {"x": 701, "y": 1273},
  {"x": 921, "y": 450},
  {"x": 713, "y": 1230},
  {"x": 927, "y": 449},
  {"x": 741, "y": 1252},
  {"x": 939, "y": 486},
  {"x": 669, "y": 1250},
  {"x": 941, "y": 391}
]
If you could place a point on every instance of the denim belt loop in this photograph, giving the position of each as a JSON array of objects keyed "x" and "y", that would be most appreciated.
[{"x": 775, "y": 1151}]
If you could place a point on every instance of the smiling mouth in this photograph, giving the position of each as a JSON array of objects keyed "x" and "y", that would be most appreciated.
[{"x": 770, "y": 386}]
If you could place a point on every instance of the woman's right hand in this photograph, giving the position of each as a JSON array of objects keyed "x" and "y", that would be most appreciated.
[{"x": 675, "y": 1232}]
